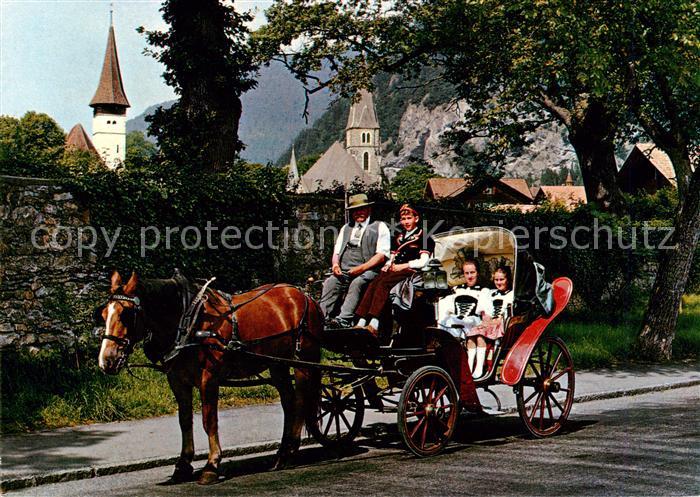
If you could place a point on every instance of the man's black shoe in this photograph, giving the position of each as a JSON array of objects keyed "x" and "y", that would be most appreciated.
[{"x": 343, "y": 323}]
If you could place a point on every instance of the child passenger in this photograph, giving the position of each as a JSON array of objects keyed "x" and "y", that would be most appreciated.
[
  {"x": 465, "y": 309},
  {"x": 492, "y": 327}
]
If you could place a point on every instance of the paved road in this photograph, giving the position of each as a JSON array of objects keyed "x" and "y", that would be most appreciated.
[{"x": 643, "y": 445}]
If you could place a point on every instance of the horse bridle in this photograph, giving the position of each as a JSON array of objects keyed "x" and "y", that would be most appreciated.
[{"x": 124, "y": 342}]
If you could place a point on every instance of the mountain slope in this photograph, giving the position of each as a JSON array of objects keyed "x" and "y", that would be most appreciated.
[
  {"x": 272, "y": 114},
  {"x": 413, "y": 115}
]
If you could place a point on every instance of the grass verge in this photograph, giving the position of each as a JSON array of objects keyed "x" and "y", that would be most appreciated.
[
  {"x": 595, "y": 343},
  {"x": 56, "y": 388}
]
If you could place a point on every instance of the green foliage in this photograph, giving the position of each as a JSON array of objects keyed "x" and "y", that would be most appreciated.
[
  {"x": 31, "y": 146},
  {"x": 164, "y": 194},
  {"x": 552, "y": 177},
  {"x": 139, "y": 151},
  {"x": 305, "y": 163},
  {"x": 209, "y": 65},
  {"x": 659, "y": 205},
  {"x": 78, "y": 162},
  {"x": 409, "y": 183}
]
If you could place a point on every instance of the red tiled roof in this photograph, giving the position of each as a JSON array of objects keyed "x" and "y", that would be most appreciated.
[
  {"x": 440, "y": 188},
  {"x": 518, "y": 184},
  {"x": 110, "y": 90},
  {"x": 656, "y": 158},
  {"x": 77, "y": 138}
]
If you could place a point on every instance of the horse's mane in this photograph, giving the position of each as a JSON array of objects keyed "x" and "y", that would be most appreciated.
[
  {"x": 155, "y": 288},
  {"x": 161, "y": 297}
]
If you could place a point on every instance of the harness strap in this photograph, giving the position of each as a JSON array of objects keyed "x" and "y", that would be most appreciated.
[
  {"x": 236, "y": 344},
  {"x": 188, "y": 319}
]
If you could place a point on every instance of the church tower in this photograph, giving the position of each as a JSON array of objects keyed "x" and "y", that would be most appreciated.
[
  {"x": 362, "y": 135},
  {"x": 109, "y": 108}
]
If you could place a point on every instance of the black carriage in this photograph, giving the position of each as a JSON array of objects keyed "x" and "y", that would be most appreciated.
[{"x": 412, "y": 372}]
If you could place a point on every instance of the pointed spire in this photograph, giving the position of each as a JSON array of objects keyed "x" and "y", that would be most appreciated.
[
  {"x": 292, "y": 173},
  {"x": 110, "y": 90},
  {"x": 362, "y": 113},
  {"x": 569, "y": 180},
  {"x": 293, "y": 170}
]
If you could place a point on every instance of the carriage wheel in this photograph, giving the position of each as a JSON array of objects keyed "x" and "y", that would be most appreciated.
[
  {"x": 340, "y": 413},
  {"x": 546, "y": 391},
  {"x": 428, "y": 410}
]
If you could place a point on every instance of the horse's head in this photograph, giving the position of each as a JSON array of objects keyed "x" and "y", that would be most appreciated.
[{"x": 123, "y": 324}]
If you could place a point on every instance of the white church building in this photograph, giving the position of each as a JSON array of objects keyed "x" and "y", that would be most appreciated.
[
  {"x": 358, "y": 160},
  {"x": 109, "y": 106}
]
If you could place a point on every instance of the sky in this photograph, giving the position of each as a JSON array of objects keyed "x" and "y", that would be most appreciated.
[{"x": 51, "y": 54}]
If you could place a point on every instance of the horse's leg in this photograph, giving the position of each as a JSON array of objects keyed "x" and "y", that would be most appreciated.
[
  {"x": 183, "y": 396},
  {"x": 282, "y": 380},
  {"x": 209, "y": 392},
  {"x": 307, "y": 384}
]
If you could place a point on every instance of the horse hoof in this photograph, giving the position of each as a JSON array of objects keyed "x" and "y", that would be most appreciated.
[
  {"x": 183, "y": 472},
  {"x": 209, "y": 475},
  {"x": 280, "y": 463}
]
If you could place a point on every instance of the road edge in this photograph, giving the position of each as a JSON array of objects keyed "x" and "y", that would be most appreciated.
[{"x": 139, "y": 465}]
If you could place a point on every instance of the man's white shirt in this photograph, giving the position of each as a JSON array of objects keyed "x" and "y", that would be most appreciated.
[{"x": 383, "y": 238}]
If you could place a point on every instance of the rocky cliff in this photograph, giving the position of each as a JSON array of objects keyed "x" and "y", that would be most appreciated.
[{"x": 419, "y": 138}]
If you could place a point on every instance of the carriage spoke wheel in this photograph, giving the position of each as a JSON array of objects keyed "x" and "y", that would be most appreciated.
[
  {"x": 339, "y": 416},
  {"x": 428, "y": 410},
  {"x": 546, "y": 391}
]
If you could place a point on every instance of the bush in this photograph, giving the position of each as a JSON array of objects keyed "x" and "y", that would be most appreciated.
[{"x": 169, "y": 195}]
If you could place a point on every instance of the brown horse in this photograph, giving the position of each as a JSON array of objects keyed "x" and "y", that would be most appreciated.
[{"x": 274, "y": 320}]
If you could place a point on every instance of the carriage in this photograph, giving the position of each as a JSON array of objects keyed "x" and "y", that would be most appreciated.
[
  {"x": 413, "y": 377},
  {"x": 207, "y": 339}
]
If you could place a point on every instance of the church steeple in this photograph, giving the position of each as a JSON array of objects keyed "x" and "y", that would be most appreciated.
[
  {"x": 362, "y": 134},
  {"x": 109, "y": 107},
  {"x": 110, "y": 90}
]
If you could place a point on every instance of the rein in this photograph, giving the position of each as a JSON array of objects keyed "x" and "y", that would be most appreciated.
[{"x": 187, "y": 322}]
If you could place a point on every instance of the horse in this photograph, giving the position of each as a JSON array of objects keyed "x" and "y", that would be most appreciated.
[{"x": 277, "y": 320}]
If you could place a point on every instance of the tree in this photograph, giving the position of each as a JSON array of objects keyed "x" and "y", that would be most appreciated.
[
  {"x": 139, "y": 151},
  {"x": 31, "y": 146},
  {"x": 305, "y": 163},
  {"x": 210, "y": 65},
  {"x": 518, "y": 65},
  {"x": 660, "y": 50},
  {"x": 409, "y": 183},
  {"x": 602, "y": 68}
]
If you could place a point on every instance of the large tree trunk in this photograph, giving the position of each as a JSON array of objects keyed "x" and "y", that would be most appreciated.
[
  {"x": 659, "y": 325},
  {"x": 591, "y": 134}
]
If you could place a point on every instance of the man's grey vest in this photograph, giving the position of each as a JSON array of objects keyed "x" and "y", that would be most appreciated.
[{"x": 368, "y": 244}]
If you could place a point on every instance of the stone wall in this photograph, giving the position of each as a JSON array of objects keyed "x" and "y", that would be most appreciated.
[{"x": 46, "y": 288}]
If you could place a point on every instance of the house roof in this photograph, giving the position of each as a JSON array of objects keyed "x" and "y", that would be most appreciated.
[
  {"x": 79, "y": 139},
  {"x": 362, "y": 113},
  {"x": 110, "y": 90},
  {"x": 655, "y": 156},
  {"x": 518, "y": 184},
  {"x": 336, "y": 165},
  {"x": 440, "y": 188},
  {"x": 570, "y": 196}
]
